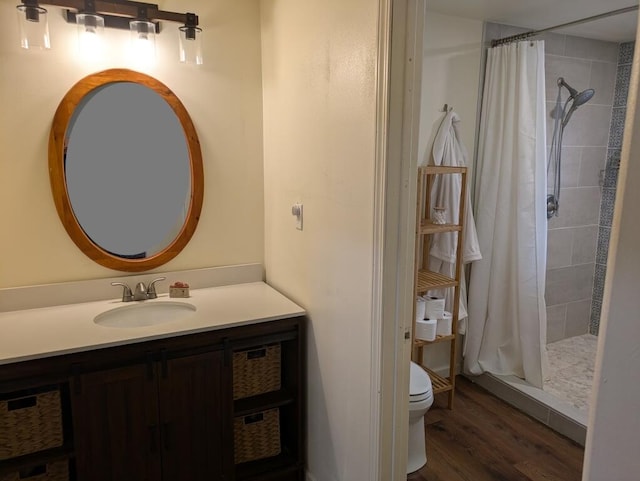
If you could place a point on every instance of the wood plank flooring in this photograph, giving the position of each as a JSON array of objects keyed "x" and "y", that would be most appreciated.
[{"x": 485, "y": 439}]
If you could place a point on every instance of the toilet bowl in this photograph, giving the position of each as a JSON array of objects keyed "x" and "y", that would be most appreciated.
[{"x": 420, "y": 400}]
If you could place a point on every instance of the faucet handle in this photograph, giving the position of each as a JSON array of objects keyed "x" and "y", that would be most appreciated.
[
  {"x": 127, "y": 295},
  {"x": 151, "y": 289}
]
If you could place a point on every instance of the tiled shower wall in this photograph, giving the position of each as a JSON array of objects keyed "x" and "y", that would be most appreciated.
[
  {"x": 625, "y": 59},
  {"x": 573, "y": 234}
]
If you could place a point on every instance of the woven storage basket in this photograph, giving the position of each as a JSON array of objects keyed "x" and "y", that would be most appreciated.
[
  {"x": 58, "y": 471},
  {"x": 30, "y": 424},
  {"x": 256, "y": 371},
  {"x": 256, "y": 436}
]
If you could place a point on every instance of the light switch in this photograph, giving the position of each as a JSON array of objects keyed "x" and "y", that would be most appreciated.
[{"x": 297, "y": 210}]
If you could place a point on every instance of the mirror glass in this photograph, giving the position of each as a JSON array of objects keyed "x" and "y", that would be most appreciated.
[{"x": 126, "y": 170}]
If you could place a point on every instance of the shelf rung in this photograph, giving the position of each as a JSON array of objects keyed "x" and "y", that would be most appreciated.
[
  {"x": 262, "y": 402},
  {"x": 422, "y": 342},
  {"x": 428, "y": 280},
  {"x": 439, "y": 383},
  {"x": 443, "y": 169},
  {"x": 428, "y": 227}
]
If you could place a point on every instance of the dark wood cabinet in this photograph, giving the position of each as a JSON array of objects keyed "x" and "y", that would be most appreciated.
[
  {"x": 150, "y": 422},
  {"x": 164, "y": 409},
  {"x": 115, "y": 420},
  {"x": 191, "y": 429}
]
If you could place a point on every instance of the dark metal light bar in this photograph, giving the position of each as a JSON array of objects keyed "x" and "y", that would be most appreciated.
[
  {"x": 110, "y": 21},
  {"x": 123, "y": 8},
  {"x": 92, "y": 16}
]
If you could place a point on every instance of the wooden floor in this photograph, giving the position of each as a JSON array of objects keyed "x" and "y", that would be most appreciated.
[{"x": 485, "y": 439}]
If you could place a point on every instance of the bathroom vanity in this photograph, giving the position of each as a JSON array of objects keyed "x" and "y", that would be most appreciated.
[
  {"x": 218, "y": 395},
  {"x": 209, "y": 387}
]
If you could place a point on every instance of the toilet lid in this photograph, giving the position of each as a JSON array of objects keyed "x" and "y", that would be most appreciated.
[{"x": 419, "y": 382}]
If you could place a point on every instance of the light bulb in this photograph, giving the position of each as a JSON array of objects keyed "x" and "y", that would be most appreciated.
[
  {"x": 90, "y": 35},
  {"x": 142, "y": 41}
]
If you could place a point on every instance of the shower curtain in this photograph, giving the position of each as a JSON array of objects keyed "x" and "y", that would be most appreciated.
[{"x": 507, "y": 313}]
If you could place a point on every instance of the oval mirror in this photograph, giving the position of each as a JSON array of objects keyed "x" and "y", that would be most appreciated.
[{"x": 126, "y": 170}]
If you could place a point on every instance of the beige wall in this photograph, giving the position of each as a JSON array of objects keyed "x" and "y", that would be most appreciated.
[
  {"x": 319, "y": 64},
  {"x": 224, "y": 99},
  {"x": 450, "y": 74}
]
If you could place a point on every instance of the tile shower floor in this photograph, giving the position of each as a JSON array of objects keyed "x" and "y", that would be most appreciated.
[{"x": 571, "y": 364}]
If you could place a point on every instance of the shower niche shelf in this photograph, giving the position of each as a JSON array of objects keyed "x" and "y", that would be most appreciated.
[{"x": 426, "y": 280}]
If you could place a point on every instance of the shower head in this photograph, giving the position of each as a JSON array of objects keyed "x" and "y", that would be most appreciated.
[
  {"x": 578, "y": 99},
  {"x": 582, "y": 98}
]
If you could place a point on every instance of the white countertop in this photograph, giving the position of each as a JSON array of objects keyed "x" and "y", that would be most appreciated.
[{"x": 37, "y": 333}]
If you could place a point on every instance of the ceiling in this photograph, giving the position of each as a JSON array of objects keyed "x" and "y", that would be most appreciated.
[{"x": 538, "y": 14}]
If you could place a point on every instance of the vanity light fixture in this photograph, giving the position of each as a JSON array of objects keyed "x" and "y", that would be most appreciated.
[
  {"x": 34, "y": 28},
  {"x": 143, "y": 37},
  {"x": 90, "y": 30},
  {"x": 92, "y": 16},
  {"x": 190, "y": 36}
]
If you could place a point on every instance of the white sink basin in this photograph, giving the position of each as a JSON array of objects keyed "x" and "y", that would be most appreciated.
[{"x": 141, "y": 315}]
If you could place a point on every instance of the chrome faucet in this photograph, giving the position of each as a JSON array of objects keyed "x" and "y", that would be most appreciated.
[{"x": 141, "y": 293}]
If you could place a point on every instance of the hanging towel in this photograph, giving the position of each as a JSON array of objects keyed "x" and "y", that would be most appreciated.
[{"x": 449, "y": 150}]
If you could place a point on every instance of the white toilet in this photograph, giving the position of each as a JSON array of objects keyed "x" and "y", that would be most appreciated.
[{"x": 420, "y": 400}]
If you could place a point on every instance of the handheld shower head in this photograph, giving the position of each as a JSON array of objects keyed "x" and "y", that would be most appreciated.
[
  {"x": 577, "y": 100},
  {"x": 583, "y": 97}
]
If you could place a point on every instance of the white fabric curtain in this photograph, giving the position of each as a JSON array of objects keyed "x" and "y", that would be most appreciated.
[{"x": 507, "y": 313}]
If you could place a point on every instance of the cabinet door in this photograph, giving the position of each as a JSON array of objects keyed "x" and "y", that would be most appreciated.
[
  {"x": 190, "y": 417},
  {"x": 115, "y": 421}
]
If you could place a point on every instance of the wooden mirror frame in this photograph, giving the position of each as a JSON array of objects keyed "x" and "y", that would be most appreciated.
[{"x": 61, "y": 120}]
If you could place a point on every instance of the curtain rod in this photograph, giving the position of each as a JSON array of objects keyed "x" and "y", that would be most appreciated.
[{"x": 532, "y": 33}]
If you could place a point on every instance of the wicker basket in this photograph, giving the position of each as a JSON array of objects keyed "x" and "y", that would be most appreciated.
[
  {"x": 57, "y": 471},
  {"x": 29, "y": 424},
  {"x": 256, "y": 371},
  {"x": 256, "y": 436}
]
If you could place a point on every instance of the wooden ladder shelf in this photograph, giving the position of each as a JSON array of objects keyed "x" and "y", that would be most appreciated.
[{"x": 426, "y": 280}]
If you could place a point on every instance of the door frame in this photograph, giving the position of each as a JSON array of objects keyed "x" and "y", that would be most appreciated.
[{"x": 400, "y": 37}]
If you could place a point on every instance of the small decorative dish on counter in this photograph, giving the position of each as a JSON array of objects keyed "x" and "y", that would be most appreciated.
[{"x": 179, "y": 289}]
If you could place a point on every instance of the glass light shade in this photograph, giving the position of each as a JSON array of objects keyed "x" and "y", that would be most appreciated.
[
  {"x": 143, "y": 40},
  {"x": 190, "y": 45},
  {"x": 34, "y": 27},
  {"x": 90, "y": 35}
]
